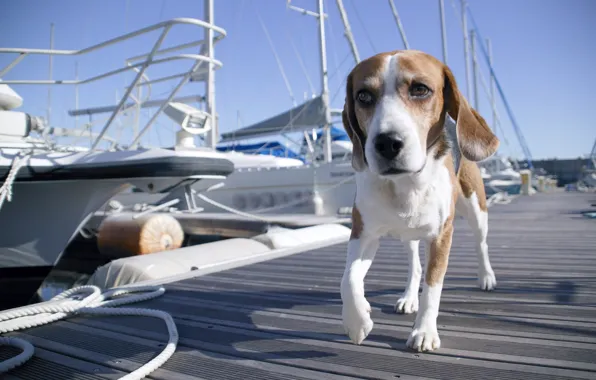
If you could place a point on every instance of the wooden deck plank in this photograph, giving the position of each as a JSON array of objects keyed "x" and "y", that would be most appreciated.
[{"x": 281, "y": 319}]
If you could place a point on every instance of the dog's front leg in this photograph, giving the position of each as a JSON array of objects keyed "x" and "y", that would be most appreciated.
[
  {"x": 425, "y": 336},
  {"x": 356, "y": 309}
]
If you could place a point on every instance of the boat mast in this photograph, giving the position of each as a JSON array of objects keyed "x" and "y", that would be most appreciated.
[
  {"x": 402, "y": 33},
  {"x": 320, "y": 15},
  {"x": 76, "y": 93},
  {"x": 464, "y": 21},
  {"x": 348, "y": 30},
  {"x": 324, "y": 82},
  {"x": 212, "y": 135},
  {"x": 593, "y": 154},
  {"x": 474, "y": 69},
  {"x": 443, "y": 30},
  {"x": 49, "y": 108},
  {"x": 492, "y": 84}
]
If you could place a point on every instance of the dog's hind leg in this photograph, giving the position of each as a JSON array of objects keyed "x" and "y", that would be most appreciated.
[
  {"x": 408, "y": 302},
  {"x": 425, "y": 336},
  {"x": 478, "y": 221}
]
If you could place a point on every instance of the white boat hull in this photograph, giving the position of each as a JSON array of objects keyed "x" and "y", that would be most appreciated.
[
  {"x": 54, "y": 194},
  {"x": 287, "y": 190}
]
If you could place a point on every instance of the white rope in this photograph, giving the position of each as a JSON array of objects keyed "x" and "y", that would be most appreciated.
[
  {"x": 86, "y": 299},
  {"x": 6, "y": 188}
]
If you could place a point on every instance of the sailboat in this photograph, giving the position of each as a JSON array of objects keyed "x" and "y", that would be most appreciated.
[
  {"x": 49, "y": 189},
  {"x": 317, "y": 180},
  {"x": 323, "y": 183}
]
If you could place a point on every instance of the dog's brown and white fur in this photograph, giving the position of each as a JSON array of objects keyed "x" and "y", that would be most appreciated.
[{"x": 407, "y": 187}]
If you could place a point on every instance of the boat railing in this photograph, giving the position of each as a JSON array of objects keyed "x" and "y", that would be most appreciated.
[{"x": 139, "y": 64}]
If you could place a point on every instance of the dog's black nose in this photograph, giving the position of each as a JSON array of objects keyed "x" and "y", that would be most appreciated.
[{"x": 388, "y": 145}]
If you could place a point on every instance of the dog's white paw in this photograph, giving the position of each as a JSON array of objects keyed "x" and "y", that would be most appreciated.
[
  {"x": 356, "y": 319},
  {"x": 424, "y": 338},
  {"x": 407, "y": 304},
  {"x": 487, "y": 280}
]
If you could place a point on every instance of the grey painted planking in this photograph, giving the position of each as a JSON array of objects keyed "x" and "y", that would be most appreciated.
[{"x": 281, "y": 319}]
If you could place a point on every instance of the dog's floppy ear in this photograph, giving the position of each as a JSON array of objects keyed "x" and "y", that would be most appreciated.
[
  {"x": 353, "y": 129},
  {"x": 475, "y": 138}
]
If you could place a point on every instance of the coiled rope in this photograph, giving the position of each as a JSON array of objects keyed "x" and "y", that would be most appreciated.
[
  {"x": 6, "y": 188},
  {"x": 86, "y": 299}
]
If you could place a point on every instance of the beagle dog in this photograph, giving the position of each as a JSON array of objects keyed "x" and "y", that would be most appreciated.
[{"x": 414, "y": 168}]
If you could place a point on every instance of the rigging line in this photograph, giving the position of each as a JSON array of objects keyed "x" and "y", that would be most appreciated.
[
  {"x": 348, "y": 55},
  {"x": 516, "y": 129},
  {"x": 290, "y": 124},
  {"x": 301, "y": 62},
  {"x": 341, "y": 85},
  {"x": 483, "y": 82},
  {"x": 126, "y": 14},
  {"x": 339, "y": 88},
  {"x": 498, "y": 124},
  {"x": 333, "y": 43},
  {"x": 494, "y": 108},
  {"x": 370, "y": 41},
  {"x": 279, "y": 64}
]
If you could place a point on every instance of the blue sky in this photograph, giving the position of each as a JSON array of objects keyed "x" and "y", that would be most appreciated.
[{"x": 543, "y": 52}]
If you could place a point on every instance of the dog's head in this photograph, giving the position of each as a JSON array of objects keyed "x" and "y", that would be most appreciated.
[{"x": 395, "y": 109}]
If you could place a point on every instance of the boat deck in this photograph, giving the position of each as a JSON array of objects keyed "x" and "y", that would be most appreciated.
[{"x": 281, "y": 319}]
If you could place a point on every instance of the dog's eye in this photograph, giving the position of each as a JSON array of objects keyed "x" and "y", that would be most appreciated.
[
  {"x": 365, "y": 98},
  {"x": 418, "y": 90}
]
